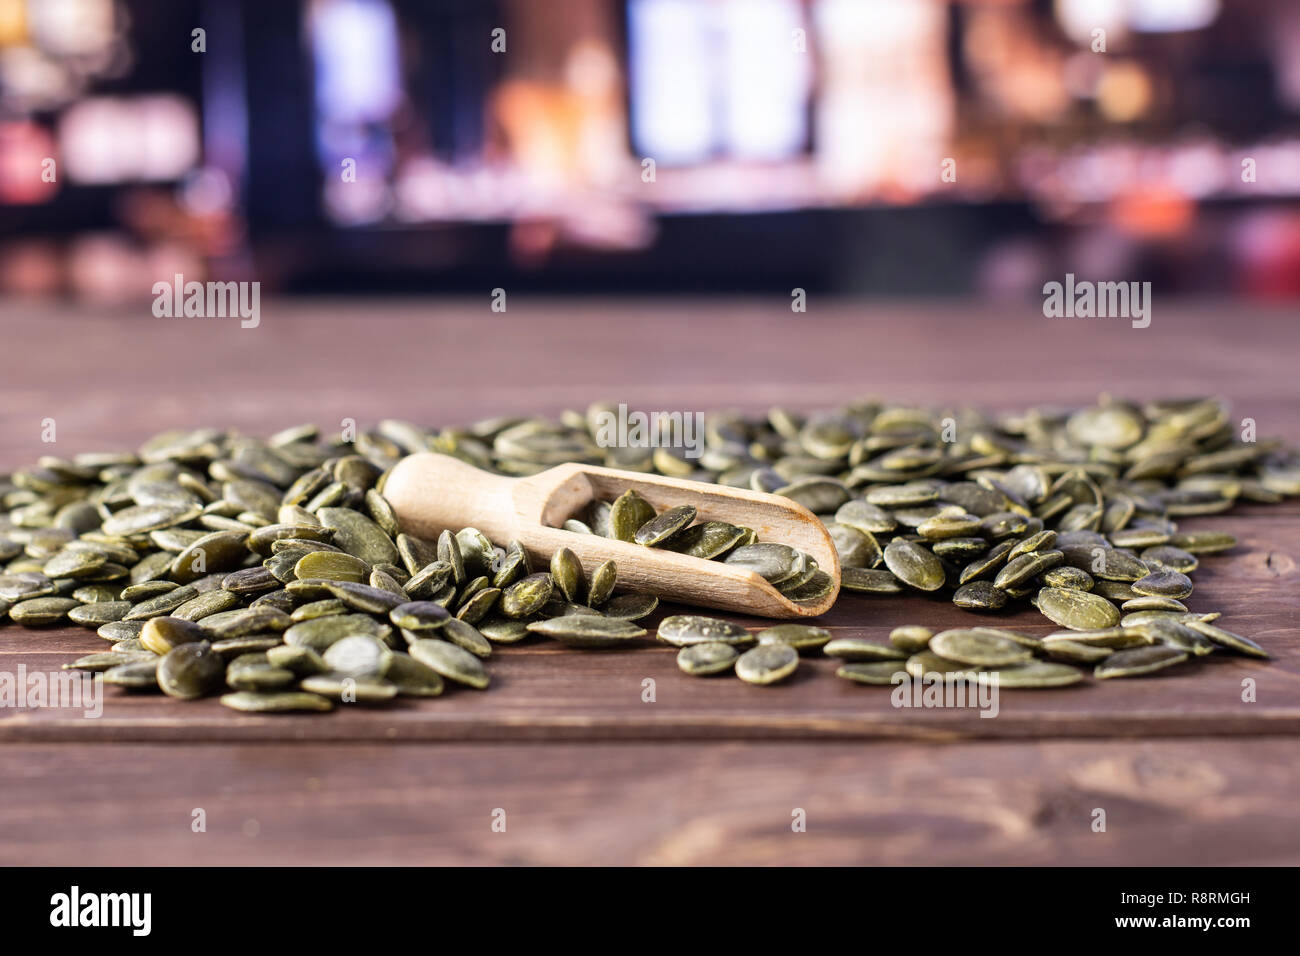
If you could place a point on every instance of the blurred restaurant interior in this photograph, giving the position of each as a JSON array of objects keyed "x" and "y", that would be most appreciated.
[{"x": 882, "y": 147}]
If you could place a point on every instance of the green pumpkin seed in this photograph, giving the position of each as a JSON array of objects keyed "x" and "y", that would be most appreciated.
[
  {"x": 628, "y": 514},
  {"x": 463, "y": 634},
  {"x": 1031, "y": 674},
  {"x": 419, "y": 616},
  {"x": 142, "y": 518},
  {"x": 588, "y": 631},
  {"x": 1170, "y": 584},
  {"x": 926, "y": 662},
  {"x": 799, "y": 636},
  {"x": 527, "y": 597},
  {"x": 869, "y": 581},
  {"x": 106, "y": 660},
  {"x": 191, "y": 670},
  {"x": 914, "y": 565},
  {"x": 771, "y": 561},
  {"x": 978, "y": 648},
  {"x": 980, "y": 596},
  {"x": 275, "y": 702},
  {"x": 136, "y": 675},
  {"x": 363, "y": 597},
  {"x": 1109, "y": 637},
  {"x": 357, "y": 656},
  {"x": 910, "y": 638},
  {"x": 682, "y": 630},
  {"x": 331, "y": 566},
  {"x": 102, "y": 612},
  {"x": 1139, "y": 661},
  {"x": 711, "y": 657},
  {"x": 503, "y": 630},
  {"x": 706, "y": 541},
  {"x": 41, "y": 612},
  {"x": 359, "y": 536},
  {"x": 603, "y": 580},
  {"x": 411, "y": 677},
  {"x": 1077, "y": 610},
  {"x": 658, "y": 530},
  {"x": 161, "y": 634},
  {"x": 452, "y": 662},
  {"x": 120, "y": 630},
  {"x": 767, "y": 663},
  {"x": 630, "y": 607},
  {"x": 1229, "y": 640},
  {"x": 566, "y": 572},
  {"x": 860, "y": 649},
  {"x": 254, "y": 672},
  {"x": 1073, "y": 652},
  {"x": 872, "y": 672},
  {"x": 319, "y": 633},
  {"x": 350, "y": 690},
  {"x": 302, "y": 661}
]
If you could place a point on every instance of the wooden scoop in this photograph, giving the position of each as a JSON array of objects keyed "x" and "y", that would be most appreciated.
[{"x": 433, "y": 493}]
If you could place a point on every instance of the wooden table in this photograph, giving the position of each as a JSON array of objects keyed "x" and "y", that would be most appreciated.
[{"x": 586, "y": 770}]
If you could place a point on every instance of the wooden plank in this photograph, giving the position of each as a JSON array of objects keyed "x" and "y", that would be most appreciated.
[
  {"x": 1201, "y": 802},
  {"x": 336, "y": 360},
  {"x": 543, "y": 690}
]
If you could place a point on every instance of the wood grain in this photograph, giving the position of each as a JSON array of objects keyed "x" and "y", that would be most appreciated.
[{"x": 1188, "y": 802}]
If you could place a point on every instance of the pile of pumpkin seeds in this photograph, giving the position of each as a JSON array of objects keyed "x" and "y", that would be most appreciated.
[
  {"x": 631, "y": 518},
  {"x": 274, "y": 571}
]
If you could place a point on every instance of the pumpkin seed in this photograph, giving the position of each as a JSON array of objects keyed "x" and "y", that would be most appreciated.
[
  {"x": 359, "y": 536},
  {"x": 767, "y": 663},
  {"x": 161, "y": 634},
  {"x": 860, "y": 649},
  {"x": 872, "y": 672},
  {"x": 452, "y": 662},
  {"x": 1077, "y": 610},
  {"x": 275, "y": 702},
  {"x": 630, "y": 607},
  {"x": 411, "y": 677},
  {"x": 711, "y": 657},
  {"x": 628, "y": 514},
  {"x": 587, "y": 631},
  {"x": 41, "y": 612},
  {"x": 910, "y": 639},
  {"x": 658, "y": 530},
  {"x": 136, "y": 675},
  {"x": 682, "y": 630},
  {"x": 349, "y": 690},
  {"x": 1138, "y": 661},
  {"x": 1170, "y": 584},
  {"x": 914, "y": 565},
  {"x": 419, "y": 616},
  {"x": 978, "y": 648},
  {"x": 190, "y": 670},
  {"x": 603, "y": 581},
  {"x": 1233, "y": 642},
  {"x": 799, "y": 636},
  {"x": 1029, "y": 675}
]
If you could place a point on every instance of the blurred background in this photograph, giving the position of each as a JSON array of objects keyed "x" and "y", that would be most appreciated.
[{"x": 886, "y": 147}]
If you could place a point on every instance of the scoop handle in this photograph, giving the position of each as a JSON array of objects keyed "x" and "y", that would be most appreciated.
[{"x": 432, "y": 493}]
